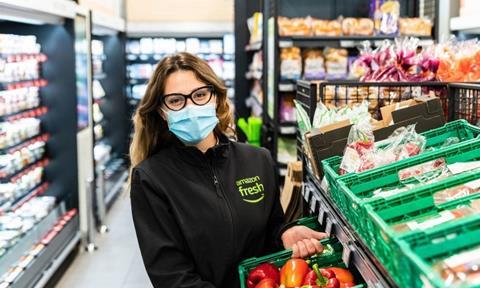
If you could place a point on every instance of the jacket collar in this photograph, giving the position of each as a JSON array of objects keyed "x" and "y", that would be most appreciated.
[{"x": 192, "y": 155}]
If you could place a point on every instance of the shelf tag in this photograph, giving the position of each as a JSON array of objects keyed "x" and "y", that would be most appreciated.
[
  {"x": 285, "y": 43},
  {"x": 313, "y": 204},
  {"x": 329, "y": 226},
  {"x": 321, "y": 214},
  {"x": 346, "y": 255},
  {"x": 347, "y": 44},
  {"x": 306, "y": 193}
]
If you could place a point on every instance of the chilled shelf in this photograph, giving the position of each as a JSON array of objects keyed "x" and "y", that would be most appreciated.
[{"x": 23, "y": 84}]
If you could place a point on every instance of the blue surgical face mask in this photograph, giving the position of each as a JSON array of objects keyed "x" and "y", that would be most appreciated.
[{"x": 193, "y": 123}]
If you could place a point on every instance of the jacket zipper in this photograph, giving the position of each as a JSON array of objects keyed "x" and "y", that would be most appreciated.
[{"x": 220, "y": 193}]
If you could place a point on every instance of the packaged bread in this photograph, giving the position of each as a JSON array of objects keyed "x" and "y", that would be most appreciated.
[
  {"x": 326, "y": 27},
  {"x": 336, "y": 63},
  {"x": 415, "y": 27},
  {"x": 294, "y": 26},
  {"x": 357, "y": 26},
  {"x": 291, "y": 63},
  {"x": 314, "y": 64}
]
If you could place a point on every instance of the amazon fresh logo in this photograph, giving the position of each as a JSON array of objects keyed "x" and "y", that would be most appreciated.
[{"x": 251, "y": 190}]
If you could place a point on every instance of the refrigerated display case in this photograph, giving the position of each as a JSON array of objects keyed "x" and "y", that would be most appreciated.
[{"x": 38, "y": 124}]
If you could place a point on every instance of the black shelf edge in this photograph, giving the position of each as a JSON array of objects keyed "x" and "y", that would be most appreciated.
[
  {"x": 51, "y": 257},
  {"x": 335, "y": 223},
  {"x": 340, "y": 41}
]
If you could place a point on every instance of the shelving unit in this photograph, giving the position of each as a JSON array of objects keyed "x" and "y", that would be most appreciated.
[
  {"x": 111, "y": 146},
  {"x": 275, "y": 89},
  {"x": 48, "y": 166}
]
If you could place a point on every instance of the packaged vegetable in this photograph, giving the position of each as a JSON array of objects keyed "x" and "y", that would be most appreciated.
[
  {"x": 438, "y": 218},
  {"x": 457, "y": 192},
  {"x": 361, "y": 154},
  {"x": 303, "y": 120},
  {"x": 461, "y": 269},
  {"x": 326, "y": 116}
]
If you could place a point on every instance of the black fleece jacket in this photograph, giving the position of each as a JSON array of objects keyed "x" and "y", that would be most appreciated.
[{"x": 197, "y": 216}]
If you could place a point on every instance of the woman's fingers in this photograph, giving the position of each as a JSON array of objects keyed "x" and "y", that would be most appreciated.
[
  {"x": 311, "y": 249},
  {"x": 318, "y": 246},
  {"x": 295, "y": 251},
  {"x": 302, "y": 249}
]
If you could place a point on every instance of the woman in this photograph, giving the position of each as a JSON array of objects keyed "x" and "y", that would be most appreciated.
[{"x": 200, "y": 202}]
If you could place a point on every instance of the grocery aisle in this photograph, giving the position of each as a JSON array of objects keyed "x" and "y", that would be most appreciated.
[{"x": 117, "y": 262}]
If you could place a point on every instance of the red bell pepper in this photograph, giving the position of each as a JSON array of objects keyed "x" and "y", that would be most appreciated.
[
  {"x": 267, "y": 283},
  {"x": 332, "y": 283},
  {"x": 310, "y": 278},
  {"x": 293, "y": 273},
  {"x": 327, "y": 273},
  {"x": 262, "y": 271},
  {"x": 343, "y": 275}
]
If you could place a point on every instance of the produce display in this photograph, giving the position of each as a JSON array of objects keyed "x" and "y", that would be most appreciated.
[{"x": 299, "y": 273}]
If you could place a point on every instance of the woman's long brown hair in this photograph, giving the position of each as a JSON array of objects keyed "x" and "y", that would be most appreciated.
[{"x": 151, "y": 130}]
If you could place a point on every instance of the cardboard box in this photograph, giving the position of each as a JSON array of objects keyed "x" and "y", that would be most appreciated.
[{"x": 324, "y": 143}]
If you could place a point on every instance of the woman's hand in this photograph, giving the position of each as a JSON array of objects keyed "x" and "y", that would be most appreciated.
[{"x": 303, "y": 241}]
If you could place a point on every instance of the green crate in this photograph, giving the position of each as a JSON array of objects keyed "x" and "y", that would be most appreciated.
[
  {"x": 415, "y": 203},
  {"x": 421, "y": 250},
  {"x": 435, "y": 138},
  {"x": 280, "y": 258},
  {"x": 355, "y": 190}
]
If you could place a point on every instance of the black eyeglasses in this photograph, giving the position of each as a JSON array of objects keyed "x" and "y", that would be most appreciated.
[{"x": 199, "y": 97}]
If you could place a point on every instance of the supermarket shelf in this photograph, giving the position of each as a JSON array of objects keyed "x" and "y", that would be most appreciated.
[
  {"x": 37, "y": 191},
  {"x": 116, "y": 187},
  {"x": 256, "y": 46},
  {"x": 51, "y": 257},
  {"x": 18, "y": 113},
  {"x": 29, "y": 239},
  {"x": 145, "y": 57},
  {"x": 39, "y": 162},
  {"x": 20, "y": 145},
  {"x": 100, "y": 76},
  {"x": 23, "y": 84},
  {"x": 340, "y": 41},
  {"x": 356, "y": 253},
  {"x": 138, "y": 81},
  {"x": 468, "y": 24},
  {"x": 286, "y": 87},
  {"x": 288, "y": 128}
]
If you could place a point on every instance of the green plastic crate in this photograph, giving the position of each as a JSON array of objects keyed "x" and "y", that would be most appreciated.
[
  {"x": 355, "y": 190},
  {"x": 419, "y": 202},
  {"x": 424, "y": 249},
  {"x": 280, "y": 258},
  {"x": 435, "y": 138}
]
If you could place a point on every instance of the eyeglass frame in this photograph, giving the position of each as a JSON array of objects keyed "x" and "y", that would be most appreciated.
[{"x": 189, "y": 96}]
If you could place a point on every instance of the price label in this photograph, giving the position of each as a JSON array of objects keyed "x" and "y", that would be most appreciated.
[
  {"x": 306, "y": 193},
  {"x": 329, "y": 226},
  {"x": 285, "y": 43},
  {"x": 313, "y": 204},
  {"x": 346, "y": 255},
  {"x": 321, "y": 214}
]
